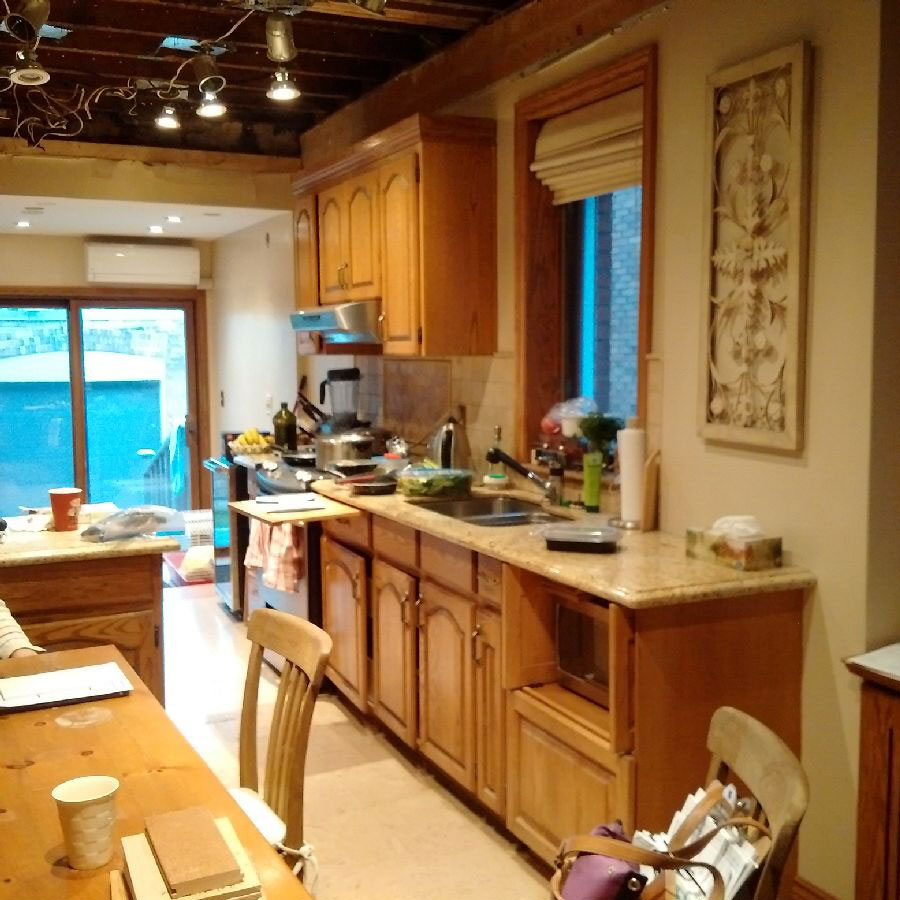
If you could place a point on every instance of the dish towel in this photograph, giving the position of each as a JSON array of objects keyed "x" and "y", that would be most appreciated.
[{"x": 278, "y": 551}]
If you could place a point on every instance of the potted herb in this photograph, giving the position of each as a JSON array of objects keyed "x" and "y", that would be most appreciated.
[{"x": 600, "y": 432}]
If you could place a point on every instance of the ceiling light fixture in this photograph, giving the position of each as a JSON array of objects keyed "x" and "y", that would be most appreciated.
[
  {"x": 280, "y": 38},
  {"x": 175, "y": 220},
  {"x": 27, "y": 70},
  {"x": 372, "y": 6},
  {"x": 168, "y": 118},
  {"x": 156, "y": 229},
  {"x": 211, "y": 107},
  {"x": 26, "y": 18},
  {"x": 207, "y": 72},
  {"x": 282, "y": 87},
  {"x": 23, "y": 223}
]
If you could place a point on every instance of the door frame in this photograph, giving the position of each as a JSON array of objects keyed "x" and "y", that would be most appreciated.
[{"x": 192, "y": 301}]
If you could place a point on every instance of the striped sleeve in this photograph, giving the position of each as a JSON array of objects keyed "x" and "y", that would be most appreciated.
[{"x": 12, "y": 637}]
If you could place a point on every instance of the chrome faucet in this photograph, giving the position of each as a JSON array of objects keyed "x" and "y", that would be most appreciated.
[{"x": 496, "y": 455}]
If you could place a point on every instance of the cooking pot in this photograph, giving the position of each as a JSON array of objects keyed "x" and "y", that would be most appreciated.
[{"x": 358, "y": 443}]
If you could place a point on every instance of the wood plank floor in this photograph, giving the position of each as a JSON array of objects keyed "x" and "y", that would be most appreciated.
[{"x": 382, "y": 827}]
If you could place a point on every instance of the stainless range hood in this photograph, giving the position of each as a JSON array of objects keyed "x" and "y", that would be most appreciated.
[{"x": 343, "y": 323}]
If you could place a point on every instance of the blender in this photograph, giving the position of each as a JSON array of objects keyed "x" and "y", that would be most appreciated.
[{"x": 342, "y": 387}]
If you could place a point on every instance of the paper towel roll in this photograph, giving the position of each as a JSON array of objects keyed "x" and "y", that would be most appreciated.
[{"x": 632, "y": 448}]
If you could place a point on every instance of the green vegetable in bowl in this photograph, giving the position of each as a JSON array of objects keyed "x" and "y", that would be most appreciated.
[{"x": 424, "y": 482}]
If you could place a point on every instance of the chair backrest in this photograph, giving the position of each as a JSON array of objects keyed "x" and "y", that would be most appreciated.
[
  {"x": 747, "y": 749},
  {"x": 305, "y": 649}
]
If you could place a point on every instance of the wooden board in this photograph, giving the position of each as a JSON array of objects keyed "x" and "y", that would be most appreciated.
[
  {"x": 130, "y": 738},
  {"x": 147, "y": 883},
  {"x": 254, "y": 510},
  {"x": 191, "y": 853},
  {"x": 650, "y": 510}
]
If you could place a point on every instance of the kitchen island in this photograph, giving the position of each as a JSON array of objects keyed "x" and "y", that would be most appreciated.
[
  {"x": 69, "y": 593},
  {"x": 557, "y": 690}
]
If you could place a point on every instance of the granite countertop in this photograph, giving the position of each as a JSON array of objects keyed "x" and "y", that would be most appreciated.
[
  {"x": 28, "y": 548},
  {"x": 650, "y": 569}
]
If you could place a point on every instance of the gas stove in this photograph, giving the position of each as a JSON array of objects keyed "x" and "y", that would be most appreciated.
[{"x": 282, "y": 478}]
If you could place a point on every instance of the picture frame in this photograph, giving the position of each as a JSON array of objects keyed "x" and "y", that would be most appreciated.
[{"x": 756, "y": 236}]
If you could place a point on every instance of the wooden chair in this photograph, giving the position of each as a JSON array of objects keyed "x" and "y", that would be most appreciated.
[
  {"x": 743, "y": 748},
  {"x": 278, "y": 811}
]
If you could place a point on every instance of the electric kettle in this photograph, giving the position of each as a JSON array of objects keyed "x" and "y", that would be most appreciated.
[{"x": 449, "y": 446}]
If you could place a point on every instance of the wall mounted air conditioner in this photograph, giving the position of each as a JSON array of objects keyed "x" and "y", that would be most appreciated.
[{"x": 167, "y": 264}]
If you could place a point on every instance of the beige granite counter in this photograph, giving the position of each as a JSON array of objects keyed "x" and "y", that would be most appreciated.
[
  {"x": 29, "y": 548},
  {"x": 648, "y": 570}
]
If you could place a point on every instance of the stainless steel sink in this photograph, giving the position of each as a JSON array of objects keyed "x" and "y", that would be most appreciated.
[{"x": 493, "y": 511}]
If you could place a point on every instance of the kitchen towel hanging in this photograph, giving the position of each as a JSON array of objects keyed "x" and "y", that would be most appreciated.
[{"x": 278, "y": 550}]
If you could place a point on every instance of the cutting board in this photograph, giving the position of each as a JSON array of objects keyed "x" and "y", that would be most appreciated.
[{"x": 650, "y": 511}]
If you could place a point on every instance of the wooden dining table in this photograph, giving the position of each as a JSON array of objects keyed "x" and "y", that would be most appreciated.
[{"x": 129, "y": 737}]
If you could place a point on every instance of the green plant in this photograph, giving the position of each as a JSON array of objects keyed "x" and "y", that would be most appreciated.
[{"x": 600, "y": 431}]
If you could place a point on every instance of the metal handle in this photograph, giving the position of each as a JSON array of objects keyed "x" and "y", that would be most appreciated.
[
  {"x": 348, "y": 279},
  {"x": 381, "y": 329},
  {"x": 475, "y": 635},
  {"x": 340, "y": 275},
  {"x": 404, "y": 609}
]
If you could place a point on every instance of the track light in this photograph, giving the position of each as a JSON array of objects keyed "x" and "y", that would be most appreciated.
[
  {"x": 208, "y": 78},
  {"x": 27, "y": 70},
  {"x": 282, "y": 86},
  {"x": 372, "y": 6},
  {"x": 211, "y": 107},
  {"x": 280, "y": 38},
  {"x": 26, "y": 18},
  {"x": 168, "y": 118}
]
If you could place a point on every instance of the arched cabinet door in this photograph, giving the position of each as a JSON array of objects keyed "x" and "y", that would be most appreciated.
[
  {"x": 332, "y": 262},
  {"x": 306, "y": 254},
  {"x": 446, "y": 718},
  {"x": 362, "y": 254},
  {"x": 394, "y": 649},
  {"x": 400, "y": 255},
  {"x": 344, "y": 603}
]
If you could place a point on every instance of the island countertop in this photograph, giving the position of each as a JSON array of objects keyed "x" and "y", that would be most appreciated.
[
  {"x": 649, "y": 569},
  {"x": 29, "y": 548}
]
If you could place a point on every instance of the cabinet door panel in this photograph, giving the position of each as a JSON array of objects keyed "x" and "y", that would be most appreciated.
[
  {"x": 306, "y": 255},
  {"x": 400, "y": 255},
  {"x": 446, "y": 732},
  {"x": 332, "y": 216},
  {"x": 362, "y": 253},
  {"x": 344, "y": 618},
  {"x": 134, "y": 634},
  {"x": 394, "y": 691},
  {"x": 490, "y": 713}
]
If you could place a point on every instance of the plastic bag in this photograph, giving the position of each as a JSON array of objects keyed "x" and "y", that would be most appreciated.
[
  {"x": 564, "y": 416},
  {"x": 128, "y": 523}
]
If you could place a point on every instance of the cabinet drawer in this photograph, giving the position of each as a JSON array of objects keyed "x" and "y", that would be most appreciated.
[
  {"x": 562, "y": 777},
  {"x": 448, "y": 563},
  {"x": 354, "y": 530},
  {"x": 490, "y": 579},
  {"x": 395, "y": 542}
]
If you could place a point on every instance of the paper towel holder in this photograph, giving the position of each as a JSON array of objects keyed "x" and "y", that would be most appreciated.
[{"x": 618, "y": 521}]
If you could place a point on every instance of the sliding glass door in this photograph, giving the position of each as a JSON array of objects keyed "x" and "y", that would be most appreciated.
[{"x": 100, "y": 395}]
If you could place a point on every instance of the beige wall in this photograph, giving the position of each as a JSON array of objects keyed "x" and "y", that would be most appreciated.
[
  {"x": 252, "y": 348},
  {"x": 819, "y": 500}
]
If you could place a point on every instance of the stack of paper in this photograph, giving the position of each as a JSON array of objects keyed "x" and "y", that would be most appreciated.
[{"x": 21, "y": 692}]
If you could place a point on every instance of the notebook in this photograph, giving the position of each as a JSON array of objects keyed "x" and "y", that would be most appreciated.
[
  {"x": 21, "y": 692},
  {"x": 277, "y": 503}
]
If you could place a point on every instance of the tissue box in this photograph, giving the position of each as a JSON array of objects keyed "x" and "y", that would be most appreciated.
[{"x": 745, "y": 554}]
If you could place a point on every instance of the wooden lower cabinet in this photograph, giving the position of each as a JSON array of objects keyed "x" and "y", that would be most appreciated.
[
  {"x": 490, "y": 713},
  {"x": 135, "y": 634},
  {"x": 344, "y": 591},
  {"x": 563, "y": 778},
  {"x": 446, "y": 720},
  {"x": 393, "y": 598}
]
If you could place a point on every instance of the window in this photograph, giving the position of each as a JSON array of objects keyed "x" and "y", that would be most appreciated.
[
  {"x": 585, "y": 152},
  {"x": 602, "y": 258}
]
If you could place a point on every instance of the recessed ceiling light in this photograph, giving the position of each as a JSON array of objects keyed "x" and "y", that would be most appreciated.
[
  {"x": 282, "y": 86},
  {"x": 23, "y": 223},
  {"x": 167, "y": 119},
  {"x": 211, "y": 107},
  {"x": 120, "y": 254},
  {"x": 175, "y": 220},
  {"x": 156, "y": 229},
  {"x": 212, "y": 215}
]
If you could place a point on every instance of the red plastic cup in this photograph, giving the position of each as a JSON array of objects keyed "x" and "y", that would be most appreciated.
[{"x": 65, "y": 504}]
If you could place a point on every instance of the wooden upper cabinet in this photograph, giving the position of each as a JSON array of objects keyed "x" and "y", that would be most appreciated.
[
  {"x": 410, "y": 217},
  {"x": 446, "y": 721},
  {"x": 306, "y": 253},
  {"x": 362, "y": 255},
  {"x": 400, "y": 255},
  {"x": 344, "y": 597},
  {"x": 332, "y": 223}
]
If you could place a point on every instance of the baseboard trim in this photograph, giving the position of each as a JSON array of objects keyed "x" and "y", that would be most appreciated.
[{"x": 803, "y": 890}]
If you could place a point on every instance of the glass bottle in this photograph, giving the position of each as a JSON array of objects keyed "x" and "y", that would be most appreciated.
[{"x": 285, "y": 425}]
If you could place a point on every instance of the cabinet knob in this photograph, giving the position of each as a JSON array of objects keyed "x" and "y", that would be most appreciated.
[{"x": 475, "y": 635}]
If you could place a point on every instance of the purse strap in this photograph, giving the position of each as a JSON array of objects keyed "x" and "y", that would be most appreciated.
[{"x": 617, "y": 849}]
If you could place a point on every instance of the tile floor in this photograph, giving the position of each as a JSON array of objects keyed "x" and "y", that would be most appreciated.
[{"x": 382, "y": 827}]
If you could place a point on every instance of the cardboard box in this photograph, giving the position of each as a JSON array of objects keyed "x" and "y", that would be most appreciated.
[{"x": 745, "y": 554}]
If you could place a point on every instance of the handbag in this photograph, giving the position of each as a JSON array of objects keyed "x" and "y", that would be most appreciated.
[{"x": 603, "y": 865}]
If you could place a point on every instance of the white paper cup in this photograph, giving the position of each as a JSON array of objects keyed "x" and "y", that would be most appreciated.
[{"x": 87, "y": 813}]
